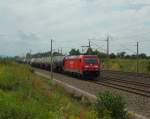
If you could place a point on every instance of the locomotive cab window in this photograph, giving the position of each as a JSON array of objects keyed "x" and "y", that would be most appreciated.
[{"x": 90, "y": 60}]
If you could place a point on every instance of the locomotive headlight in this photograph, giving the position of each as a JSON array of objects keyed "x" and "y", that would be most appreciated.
[
  {"x": 96, "y": 66},
  {"x": 86, "y": 66}
]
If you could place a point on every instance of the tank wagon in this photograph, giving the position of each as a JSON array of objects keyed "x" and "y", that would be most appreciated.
[
  {"x": 82, "y": 65},
  {"x": 45, "y": 63}
]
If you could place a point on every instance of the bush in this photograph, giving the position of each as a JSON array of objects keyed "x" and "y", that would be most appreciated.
[{"x": 110, "y": 106}]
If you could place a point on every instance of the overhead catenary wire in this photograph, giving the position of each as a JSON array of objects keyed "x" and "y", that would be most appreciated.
[{"x": 96, "y": 44}]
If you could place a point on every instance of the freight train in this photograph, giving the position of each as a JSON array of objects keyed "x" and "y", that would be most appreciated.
[{"x": 86, "y": 66}]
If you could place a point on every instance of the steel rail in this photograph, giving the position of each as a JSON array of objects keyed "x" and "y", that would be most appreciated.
[
  {"x": 124, "y": 89},
  {"x": 136, "y": 83}
]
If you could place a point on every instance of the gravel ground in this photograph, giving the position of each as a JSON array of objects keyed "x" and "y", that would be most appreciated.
[{"x": 135, "y": 103}]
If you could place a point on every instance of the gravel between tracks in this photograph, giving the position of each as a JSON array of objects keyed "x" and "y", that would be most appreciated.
[{"x": 135, "y": 103}]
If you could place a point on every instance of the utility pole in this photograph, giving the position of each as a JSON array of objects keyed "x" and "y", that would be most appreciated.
[
  {"x": 82, "y": 50},
  {"x": 61, "y": 50},
  {"x": 89, "y": 43},
  {"x": 30, "y": 53},
  {"x": 137, "y": 57},
  {"x": 51, "y": 59},
  {"x": 86, "y": 46},
  {"x": 107, "y": 52},
  {"x": 58, "y": 50}
]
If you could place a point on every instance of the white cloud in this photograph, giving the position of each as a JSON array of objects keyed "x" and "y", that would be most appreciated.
[{"x": 73, "y": 20}]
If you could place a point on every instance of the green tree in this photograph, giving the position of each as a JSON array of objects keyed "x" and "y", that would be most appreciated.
[
  {"x": 143, "y": 56},
  {"x": 121, "y": 54},
  {"x": 89, "y": 51},
  {"x": 74, "y": 52},
  {"x": 112, "y": 55},
  {"x": 56, "y": 54}
]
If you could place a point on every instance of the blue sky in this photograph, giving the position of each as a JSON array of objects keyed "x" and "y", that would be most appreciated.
[{"x": 30, "y": 24}]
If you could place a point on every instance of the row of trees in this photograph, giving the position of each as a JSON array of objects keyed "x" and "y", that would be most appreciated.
[
  {"x": 90, "y": 51},
  {"x": 112, "y": 55}
]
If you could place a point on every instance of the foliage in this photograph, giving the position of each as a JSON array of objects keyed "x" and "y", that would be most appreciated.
[
  {"x": 89, "y": 51},
  {"x": 74, "y": 52},
  {"x": 121, "y": 54},
  {"x": 7, "y": 74},
  {"x": 127, "y": 65},
  {"x": 92, "y": 114},
  {"x": 148, "y": 66},
  {"x": 24, "y": 95},
  {"x": 56, "y": 54},
  {"x": 110, "y": 106},
  {"x": 11, "y": 107},
  {"x": 112, "y": 55}
]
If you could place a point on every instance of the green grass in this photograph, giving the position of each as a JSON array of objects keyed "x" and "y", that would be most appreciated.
[
  {"x": 24, "y": 95},
  {"x": 128, "y": 65}
]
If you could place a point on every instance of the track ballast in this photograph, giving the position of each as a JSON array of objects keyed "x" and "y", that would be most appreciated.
[{"x": 136, "y": 83}]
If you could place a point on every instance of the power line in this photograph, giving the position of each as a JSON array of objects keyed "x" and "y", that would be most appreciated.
[
  {"x": 125, "y": 48},
  {"x": 98, "y": 47}
]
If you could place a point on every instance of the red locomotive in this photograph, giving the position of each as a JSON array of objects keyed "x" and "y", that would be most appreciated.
[{"x": 84, "y": 65}]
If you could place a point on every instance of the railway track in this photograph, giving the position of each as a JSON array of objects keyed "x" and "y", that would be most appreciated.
[
  {"x": 141, "y": 92},
  {"x": 114, "y": 80},
  {"x": 127, "y": 82},
  {"x": 136, "y": 83}
]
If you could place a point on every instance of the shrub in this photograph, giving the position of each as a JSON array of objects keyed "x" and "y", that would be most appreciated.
[{"x": 110, "y": 106}]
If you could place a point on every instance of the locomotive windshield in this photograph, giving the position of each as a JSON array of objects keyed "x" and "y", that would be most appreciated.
[{"x": 90, "y": 60}]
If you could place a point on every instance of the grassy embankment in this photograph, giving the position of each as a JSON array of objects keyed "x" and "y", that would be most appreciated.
[
  {"x": 128, "y": 65},
  {"x": 24, "y": 95}
]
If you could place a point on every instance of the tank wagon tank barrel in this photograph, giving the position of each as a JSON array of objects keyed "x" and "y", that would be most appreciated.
[{"x": 45, "y": 63}]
